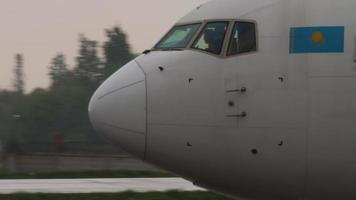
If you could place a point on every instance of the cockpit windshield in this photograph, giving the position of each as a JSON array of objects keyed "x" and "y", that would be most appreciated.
[{"x": 178, "y": 38}]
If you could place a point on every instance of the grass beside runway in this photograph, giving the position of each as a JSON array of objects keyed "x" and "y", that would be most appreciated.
[
  {"x": 172, "y": 195},
  {"x": 84, "y": 174}
]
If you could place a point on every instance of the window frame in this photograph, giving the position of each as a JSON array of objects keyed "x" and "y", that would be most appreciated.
[
  {"x": 231, "y": 35},
  {"x": 200, "y": 24},
  {"x": 226, "y": 43}
]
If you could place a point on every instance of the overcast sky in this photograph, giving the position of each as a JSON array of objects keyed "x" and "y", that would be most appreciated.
[{"x": 41, "y": 28}]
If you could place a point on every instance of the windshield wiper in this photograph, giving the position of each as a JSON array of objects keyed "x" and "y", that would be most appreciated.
[
  {"x": 171, "y": 49},
  {"x": 147, "y": 51}
]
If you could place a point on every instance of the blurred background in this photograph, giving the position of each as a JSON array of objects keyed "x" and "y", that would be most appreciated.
[{"x": 54, "y": 54}]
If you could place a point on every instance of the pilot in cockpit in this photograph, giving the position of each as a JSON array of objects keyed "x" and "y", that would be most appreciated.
[{"x": 214, "y": 40}]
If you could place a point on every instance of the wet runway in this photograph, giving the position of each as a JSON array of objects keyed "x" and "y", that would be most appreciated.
[{"x": 95, "y": 185}]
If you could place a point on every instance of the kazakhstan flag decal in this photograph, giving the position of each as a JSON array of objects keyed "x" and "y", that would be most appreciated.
[{"x": 326, "y": 39}]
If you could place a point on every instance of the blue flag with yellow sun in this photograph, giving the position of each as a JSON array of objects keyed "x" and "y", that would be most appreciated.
[{"x": 326, "y": 39}]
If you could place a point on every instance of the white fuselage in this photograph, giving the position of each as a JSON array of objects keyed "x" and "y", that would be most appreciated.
[{"x": 177, "y": 109}]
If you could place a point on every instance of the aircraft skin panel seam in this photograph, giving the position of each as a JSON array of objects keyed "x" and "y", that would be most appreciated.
[
  {"x": 146, "y": 89},
  {"x": 116, "y": 90},
  {"x": 331, "y": 76},
  {"x": 308, "y": 124},
  {"x": 223, "y": 126},
  {"x": 125, "y": 129}
]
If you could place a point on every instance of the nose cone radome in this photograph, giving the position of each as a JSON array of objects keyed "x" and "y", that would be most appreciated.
[{"x": 118, "y": 109}]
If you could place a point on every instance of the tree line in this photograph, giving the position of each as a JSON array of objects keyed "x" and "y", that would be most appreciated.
[{"x": 58, "y": 114}]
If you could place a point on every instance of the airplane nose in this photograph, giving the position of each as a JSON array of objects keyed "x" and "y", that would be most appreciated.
[{"x": 118, "y": 109}]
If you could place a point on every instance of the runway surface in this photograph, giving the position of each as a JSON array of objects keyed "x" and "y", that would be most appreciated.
[{"x": 96, "y": 185}]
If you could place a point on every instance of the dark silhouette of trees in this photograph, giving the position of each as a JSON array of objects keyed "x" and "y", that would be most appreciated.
[
  {"x": 88, "y": 61},
  {"x": 117, "y": 51},
  {"x": 58, "y": 68},
  {"x": 19, "y": 82},
  {"x": 61, "y": 110}
]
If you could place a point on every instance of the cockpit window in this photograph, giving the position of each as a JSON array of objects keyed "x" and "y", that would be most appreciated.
[
  {"x": 178, "y": 37},
  {"x": 243, "y": 38},
  {"x": 212, "y": 37}
]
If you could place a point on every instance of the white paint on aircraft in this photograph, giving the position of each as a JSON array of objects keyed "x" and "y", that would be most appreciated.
[{"x": 290, "y": 134}]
